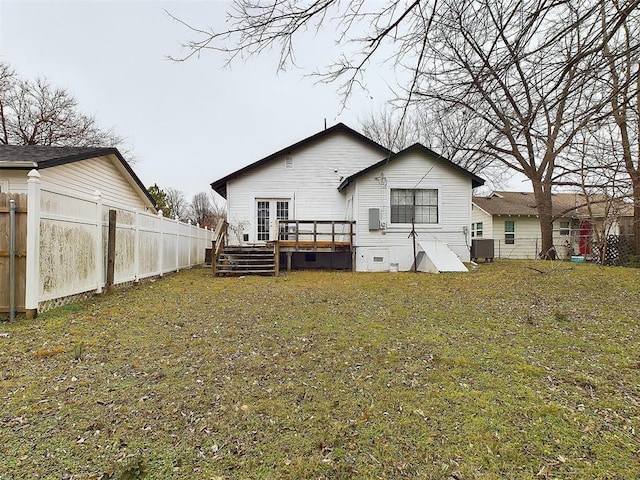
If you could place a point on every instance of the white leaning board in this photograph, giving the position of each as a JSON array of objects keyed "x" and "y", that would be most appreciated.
[{"x": 438, "y": 257}]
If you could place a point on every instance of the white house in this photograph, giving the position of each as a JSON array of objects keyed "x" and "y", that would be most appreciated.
[
  {"x": 338, "y": 199},
  {"x": 511, "y": 220}
]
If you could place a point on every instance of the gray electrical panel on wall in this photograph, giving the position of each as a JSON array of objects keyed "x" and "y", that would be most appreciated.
[{"x": 374, "y": 219}]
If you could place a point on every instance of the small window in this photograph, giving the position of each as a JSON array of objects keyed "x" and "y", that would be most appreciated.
[
  {"x": 288, "y": 162},
  {"x": 510, "y": 232},
  {"x": 565, "y": 228},
  {"x": 477, "y": 230}
]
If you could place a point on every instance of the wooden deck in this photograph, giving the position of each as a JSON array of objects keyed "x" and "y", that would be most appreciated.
[
  {"x": 311, "y": 246},
  {"x": 323, "y": 236},
  {"x": 315, "y": 235}
]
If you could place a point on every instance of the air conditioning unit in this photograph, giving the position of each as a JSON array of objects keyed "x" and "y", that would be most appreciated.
[{"x": 482, "y": 248}]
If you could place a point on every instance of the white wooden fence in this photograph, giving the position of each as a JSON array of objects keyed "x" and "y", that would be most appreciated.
[{"x": 67, "y": 244}]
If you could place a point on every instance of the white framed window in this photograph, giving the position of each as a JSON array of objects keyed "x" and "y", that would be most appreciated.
[
  {"x": 417, "y": 205},
  {"x": 510, "y": 232},
  {"x": 565, "y": 228},
  {"x": 477, "y": 230},
  {"x": 4, "y": 186}
]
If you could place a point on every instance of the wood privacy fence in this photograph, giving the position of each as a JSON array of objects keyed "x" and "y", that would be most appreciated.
[
  {"x": 19, "y": 251},
  {"x": 67, "y": 240}
]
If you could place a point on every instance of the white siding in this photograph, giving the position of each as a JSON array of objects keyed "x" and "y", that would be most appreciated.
[
  {"x": 311, "y": 185},
  {"x": 84, "y": 178},
  {"x": 408, "y": 171},
  {"x": 15, "y": 181},
  {"x": 87, "y": 176},
  {"x": 479, "y": 215}
]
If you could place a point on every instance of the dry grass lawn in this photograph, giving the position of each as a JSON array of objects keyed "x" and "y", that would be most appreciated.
[{"x": 502, "y": 373}]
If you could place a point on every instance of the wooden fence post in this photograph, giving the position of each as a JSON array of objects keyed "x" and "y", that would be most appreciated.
[
  {"x": 32, "y": 287},
  {"x": 111, "y": 250},
  {"x": 99, "y": 243}
]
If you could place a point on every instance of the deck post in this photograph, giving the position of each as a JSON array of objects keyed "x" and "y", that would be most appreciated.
[
  {"x": 315, "y": 235},
  {"x": 276, "y": 258},
  {"x": 353, "y": 250},
  {"x": 333, "y": 236},
  {"x": 289, "y": 261}
]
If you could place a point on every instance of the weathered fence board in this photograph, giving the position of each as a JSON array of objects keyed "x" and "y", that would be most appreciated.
[{"x": 21, "y": 247}]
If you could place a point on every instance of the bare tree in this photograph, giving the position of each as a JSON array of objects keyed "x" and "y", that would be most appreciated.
[
  {"x": 37, "y": 113},
  {"x": 177, "y": 204},
  {"x": 527, "y": 70},
  {"x": 621, "y": 55},
  {"x": 393, "y": 130},
  {"x": 202, "y": 209},
  {"x": 454, "y": 134},
  {"x": 7, "y": 79}
]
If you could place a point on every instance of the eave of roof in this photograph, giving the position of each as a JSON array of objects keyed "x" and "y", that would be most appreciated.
[
  {"x": 220, "y": 186},
  {"x": 61, "y": 156},
  {"x": 475, "y": 180}
]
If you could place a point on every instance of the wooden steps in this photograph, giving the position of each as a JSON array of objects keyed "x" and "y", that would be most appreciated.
[{"x": 255, "y": 260}]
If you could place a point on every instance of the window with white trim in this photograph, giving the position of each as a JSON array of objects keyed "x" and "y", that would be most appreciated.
[
  {"x": 417, "y": 205},
  {"x": 510, "y": 232},
  {"x": 477, "y": 230},
  {"x": 565, "y": 228}
]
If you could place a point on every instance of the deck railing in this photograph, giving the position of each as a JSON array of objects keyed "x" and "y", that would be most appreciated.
[
  {"x": 316, "y": 234},
  {"x": 218, "y": 242}
]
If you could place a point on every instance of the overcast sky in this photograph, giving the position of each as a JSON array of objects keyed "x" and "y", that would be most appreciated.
[{"x": 190, "y": 123}]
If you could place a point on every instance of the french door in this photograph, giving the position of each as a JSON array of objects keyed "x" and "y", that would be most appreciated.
[{"x": 267, "y": 212}]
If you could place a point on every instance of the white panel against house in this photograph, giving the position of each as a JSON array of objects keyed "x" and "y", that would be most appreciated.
[
  {"x": 454, "y": 195},
  {"x": 313, "y": 182},
  {"x": 439, "y": 256}
]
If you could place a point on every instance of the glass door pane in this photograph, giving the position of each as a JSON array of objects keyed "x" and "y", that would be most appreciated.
[
  {"x": 282, "y": 213},
  {"x": 263, "y": 221}
]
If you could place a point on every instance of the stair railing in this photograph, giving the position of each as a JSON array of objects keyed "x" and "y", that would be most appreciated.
[{"x": 218, "y": 242}]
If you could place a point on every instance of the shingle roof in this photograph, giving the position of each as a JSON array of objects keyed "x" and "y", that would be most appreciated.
[
  {"x": 572, "y": 205},
  {"x": 475, "y": 180},
  {"x": 26, "y": 157},
  {"x": 220, "y": 186},
  {"x": 43, "y": 156}
]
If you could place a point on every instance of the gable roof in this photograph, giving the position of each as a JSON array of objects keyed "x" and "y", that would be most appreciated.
[
  {"x": 419, "y": 148},
  {"x": 220, "y": 186},
  {"x": 567, "y": 204},
  {"x": 27, "y": 157}
]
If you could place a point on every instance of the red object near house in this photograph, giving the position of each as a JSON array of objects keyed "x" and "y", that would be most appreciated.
[{"x": 585, "y": 238}]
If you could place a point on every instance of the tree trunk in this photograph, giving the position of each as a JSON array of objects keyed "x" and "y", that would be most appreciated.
[{"x": 542, "y": 194}]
